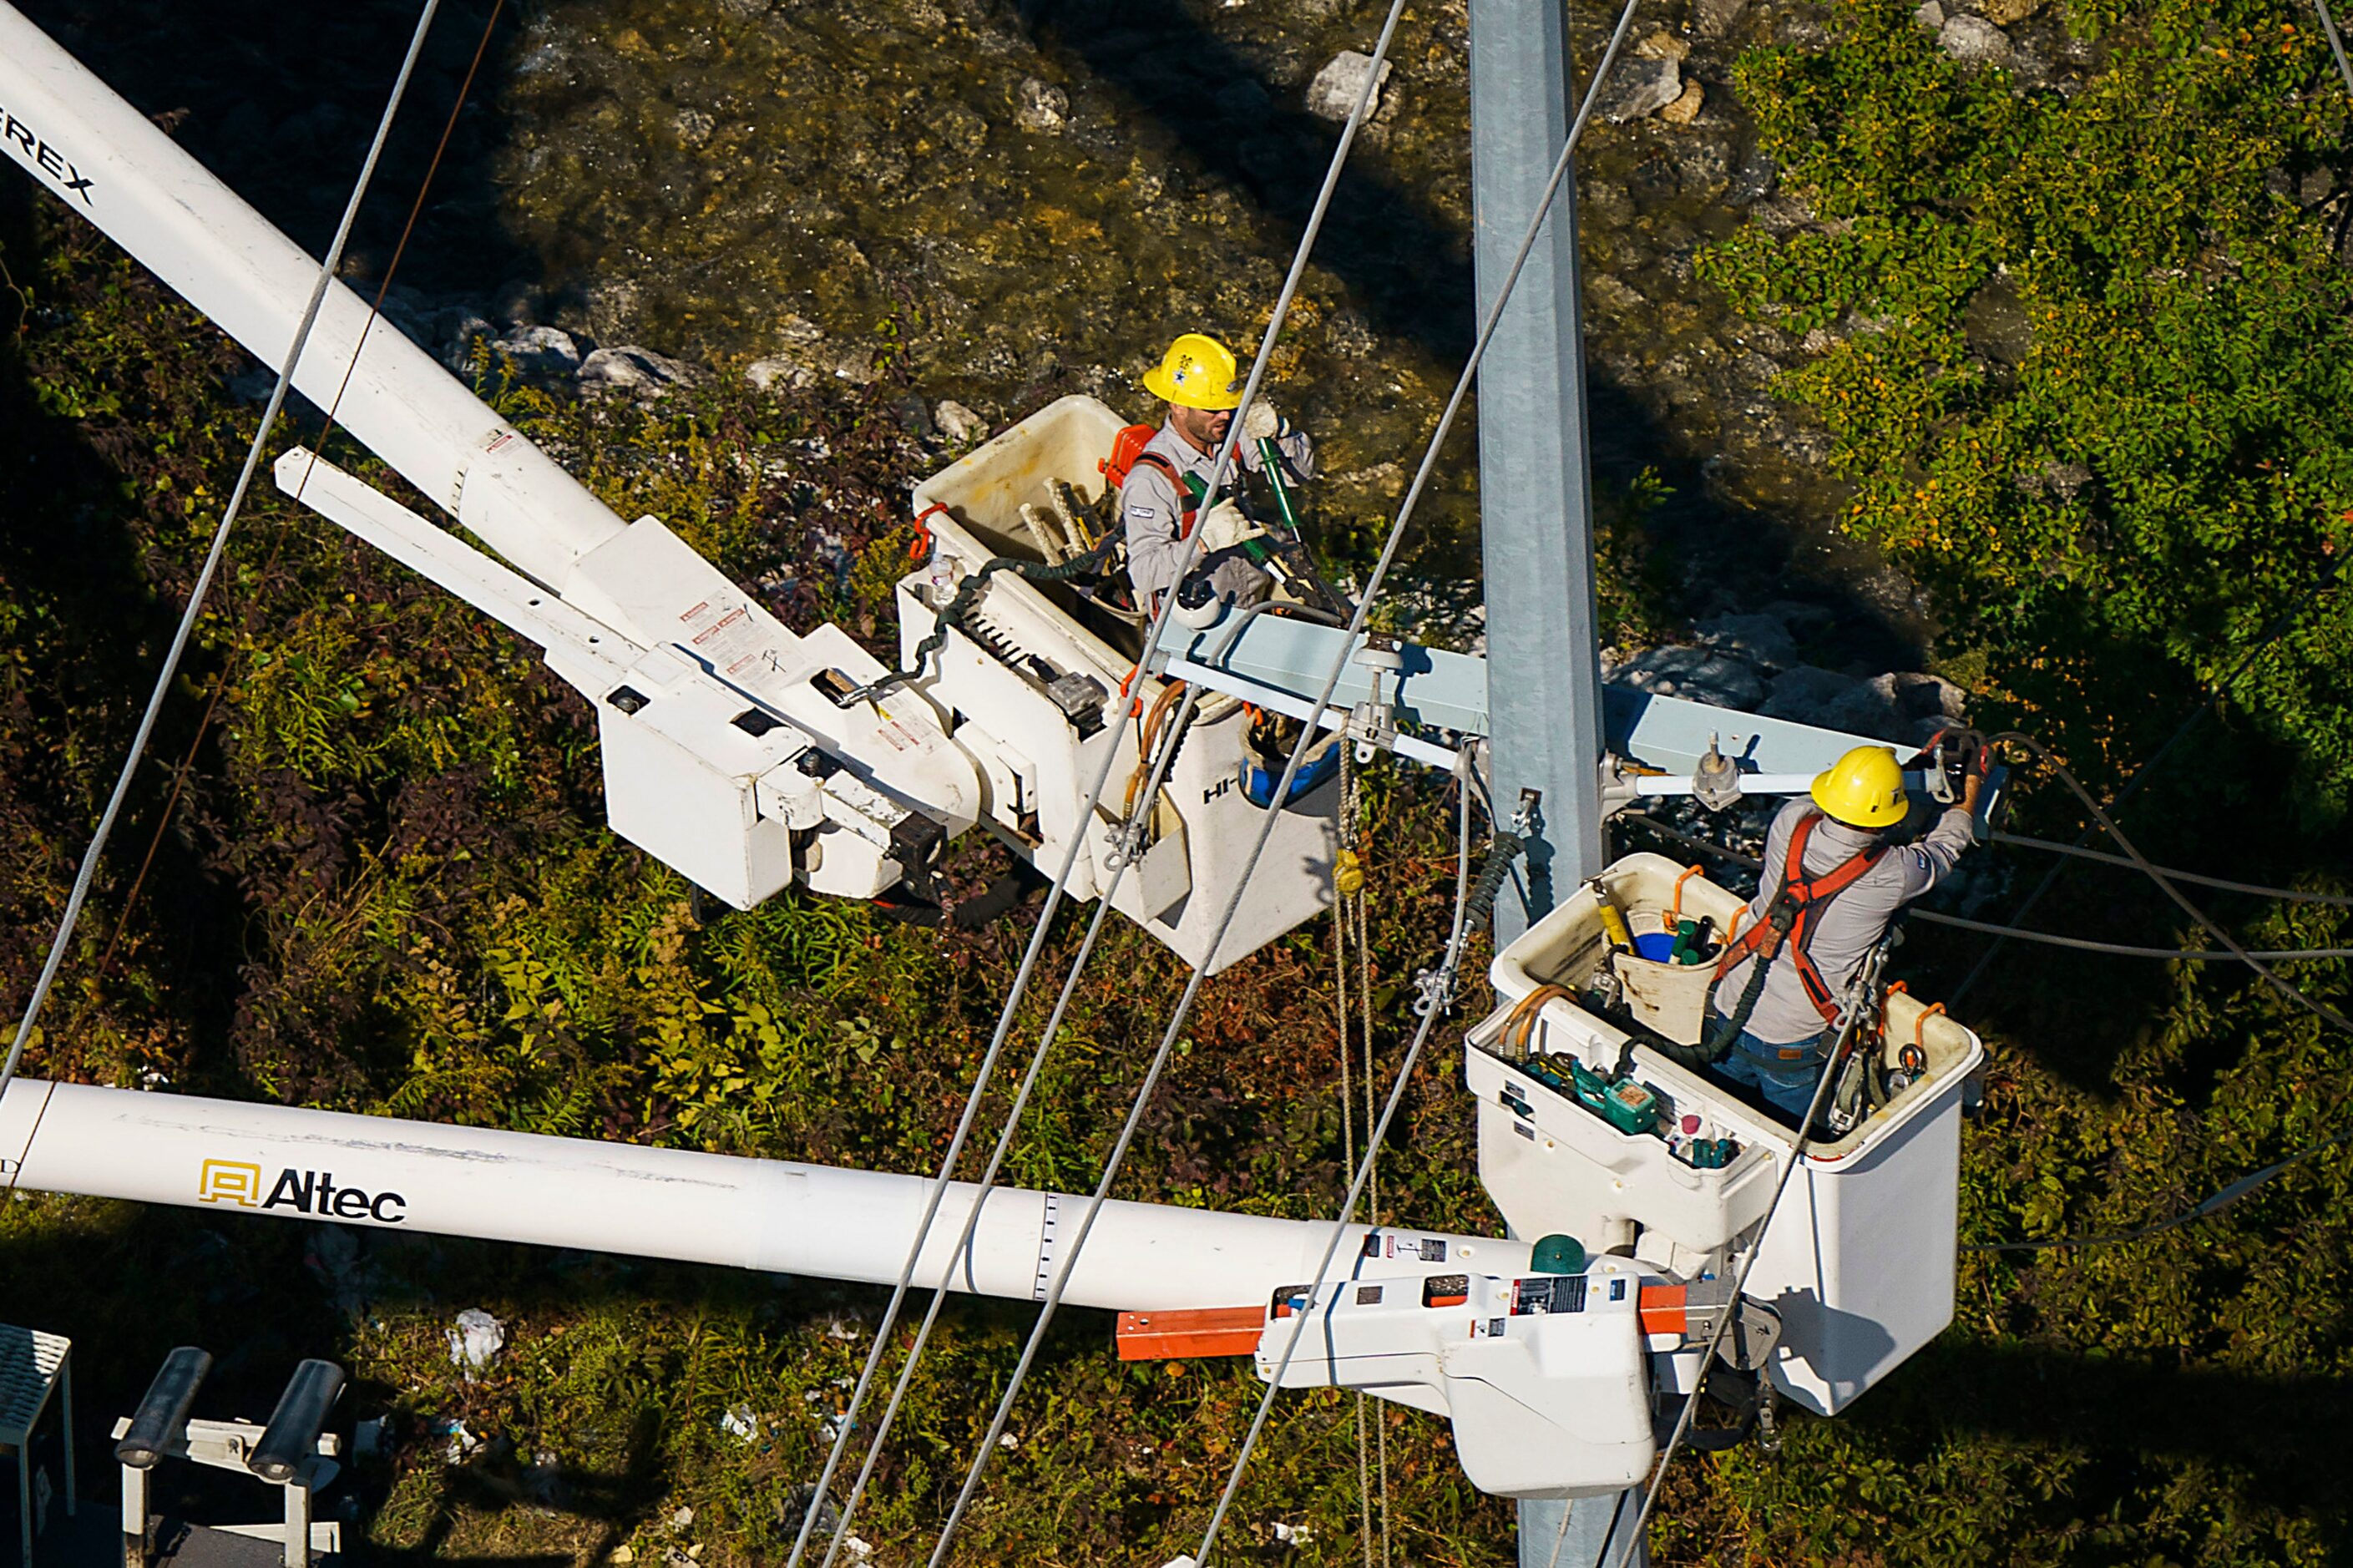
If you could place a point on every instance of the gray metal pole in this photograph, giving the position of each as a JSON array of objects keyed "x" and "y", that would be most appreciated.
[
  {"x": 1534, "y": 509},
  {"x": 1535, "y": 515}
]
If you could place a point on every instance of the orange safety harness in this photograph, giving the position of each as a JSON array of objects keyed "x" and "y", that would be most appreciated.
[
  {"x": 1791, "y": 917},
  {"x": 1127, "y": 450}
]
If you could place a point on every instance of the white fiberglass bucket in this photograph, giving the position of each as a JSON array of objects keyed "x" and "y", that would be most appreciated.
[
  {"x": 992, "y": 685},
  {"x": 1860, "y": 1259}
]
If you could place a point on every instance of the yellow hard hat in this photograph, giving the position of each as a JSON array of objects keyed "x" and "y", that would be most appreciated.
[
  {"x": 1862, "y": 789},
  {"x": 1199, "y": 372}
]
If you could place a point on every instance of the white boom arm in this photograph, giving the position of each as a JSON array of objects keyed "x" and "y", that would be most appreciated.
[
  {"x": 1543, "y": 1406},
  {"x": 725, "y": 753}
]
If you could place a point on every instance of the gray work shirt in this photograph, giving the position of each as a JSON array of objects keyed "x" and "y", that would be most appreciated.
[
  {"x": 1152, "y": 512},
  {"x": 1855, "y": 919}
]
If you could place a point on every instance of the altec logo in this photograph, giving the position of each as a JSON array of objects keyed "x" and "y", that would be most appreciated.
[{"x": 312, "y": 1193}]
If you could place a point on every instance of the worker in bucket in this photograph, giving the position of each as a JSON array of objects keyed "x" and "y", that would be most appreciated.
[
  {"x": 1163, "y": 500},
  {"x": 1832, "y": 885}
]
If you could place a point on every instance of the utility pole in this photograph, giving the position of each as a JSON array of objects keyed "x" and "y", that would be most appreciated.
[
  {"x": 1535, "y": 507},
  {"x": 1536, "y": 513}
]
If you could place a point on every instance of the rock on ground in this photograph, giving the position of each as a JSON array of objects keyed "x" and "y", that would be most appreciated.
[
  {"x": 1040, "y": 107},
  {"x": 539, "y": 352},
  {"x": 1714, "y": 18},
  {"x": 1639, "y": 87},
  {"x": 1761, "y": 639},
  {"x": 1333, "y": 94},
  {"x": 960, "y": 425},
  {"x": 640, "y": 373},
  {"x": 1974, "y": 41},
  {"x": 1700, "y": 675},
  {"x": 1903, "y": 708}
]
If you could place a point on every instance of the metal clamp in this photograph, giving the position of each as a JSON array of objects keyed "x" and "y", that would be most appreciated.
[
  {"x": 1435, "y": 989},
  {"x": 1372, "y": 723}
]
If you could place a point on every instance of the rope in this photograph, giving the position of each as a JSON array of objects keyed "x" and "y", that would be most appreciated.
[
  {"x": 2206, "y": 1207},
  {"x": 1351, "y": 819},
  {"x": 2009, "y": 932},
  {"x": 1858, "y": 992},
  {"x": 188, "y": 617},
  {"x": 1437, "y": 989},
  {"x": 375, "y": 310},
  {"x": 1349, "y": 1154}
]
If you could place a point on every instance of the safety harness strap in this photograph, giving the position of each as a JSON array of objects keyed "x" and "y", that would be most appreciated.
[
  {"x": 1790, "y": 918},
  {"x": 1180, "y": 481}
]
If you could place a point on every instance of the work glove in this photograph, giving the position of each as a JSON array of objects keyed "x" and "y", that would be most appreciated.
[
  {"x": 1224, "y": 526},
  {"x": 1263, "y": 421}
]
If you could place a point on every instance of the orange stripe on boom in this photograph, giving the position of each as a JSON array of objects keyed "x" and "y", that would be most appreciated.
[
  {"x": 1205, "y": 1331},
  {"x": 1661, "y": 1309}
]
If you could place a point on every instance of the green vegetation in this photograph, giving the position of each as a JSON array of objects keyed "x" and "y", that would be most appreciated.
[
  {"x": 2095, "y": 355},
  {"x": 384, "y": 885}
]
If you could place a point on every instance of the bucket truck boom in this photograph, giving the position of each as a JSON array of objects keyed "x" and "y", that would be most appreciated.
[{"x": 727, "y": 752}]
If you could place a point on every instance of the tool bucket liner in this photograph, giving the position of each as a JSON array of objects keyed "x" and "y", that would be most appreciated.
[{"x": 1859, "y": 1261}]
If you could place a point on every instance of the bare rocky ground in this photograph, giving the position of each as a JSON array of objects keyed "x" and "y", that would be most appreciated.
[{"x": 1022, "y": 201}]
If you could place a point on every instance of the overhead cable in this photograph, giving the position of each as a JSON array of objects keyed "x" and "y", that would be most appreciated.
[
  {"x": 2208, "y": 1206},
  {"x": 2335, "y": 43},
  {"x": 2277, "y": 628},
  {"x": 1448, "y": 963},
  {"x": 1193, "y": 547},
  {"x": 375, "y": 310},
  {"x": 1446, "y": 969},
  {"x": 2051, "y": 938},
  {"x": 2043, "y": 755},
  {"x": 2125, "y": 950},
  {"x": 1307, "y": 736},
  {"x": 1011, "y": 1125},
  {"x": 1858, "y": 992},
  {"x": 170, "y": 673},
  {"x": 2285, "y": 895}
]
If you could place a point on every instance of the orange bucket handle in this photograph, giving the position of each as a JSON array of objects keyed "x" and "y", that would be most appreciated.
[
  {"x": 1921, "y": 1022},
  {"x": 1675, "y": 905}
]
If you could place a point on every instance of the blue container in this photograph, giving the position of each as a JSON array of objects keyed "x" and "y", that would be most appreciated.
[{"x": 1655, "y": 945}]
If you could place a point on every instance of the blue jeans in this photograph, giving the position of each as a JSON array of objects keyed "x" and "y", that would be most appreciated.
[{"x": 1785, "y": 1081}]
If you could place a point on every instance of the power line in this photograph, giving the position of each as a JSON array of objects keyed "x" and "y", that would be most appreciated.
[
  {"x": 1011, "y": 1125},
  {"x": 1307, "y": 736},
  {"x": 2125, "y": 950},
  {"x": 2009, "y": 933},
  {"x": 2335, "y": 43},
  {"x": 375, "y": 310},
  {"x": 1858, "y": 991},
  {"x": 2043, "y": 755},
  {"x": 1194, "y": 545},
  {"x": 197, "y": 596},
  {"x": 2277, "y": 628},
  {"x": 1434, "y": 1001},
  {"x": 1432, "y": 1006},
  {"x": 2211, "y": 1205},
  {"x": 2285, "y": 895}
]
